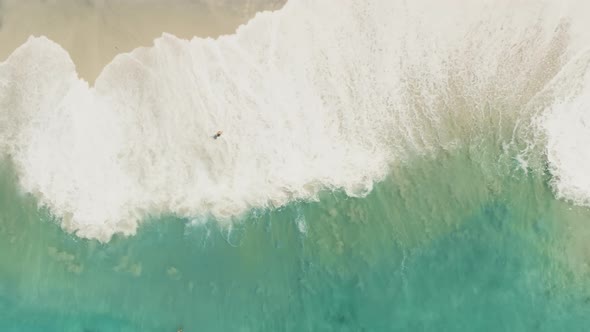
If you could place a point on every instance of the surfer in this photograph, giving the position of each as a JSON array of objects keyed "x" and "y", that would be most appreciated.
[{"x": 217, "y": 134}]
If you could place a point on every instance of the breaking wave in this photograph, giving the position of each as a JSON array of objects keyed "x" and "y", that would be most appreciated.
[{"x": 309, "y": 98}]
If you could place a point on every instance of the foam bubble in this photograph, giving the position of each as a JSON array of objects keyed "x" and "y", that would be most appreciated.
[
  {"x": 567, "y": 124},
  {"x": 300, "y": 222}
]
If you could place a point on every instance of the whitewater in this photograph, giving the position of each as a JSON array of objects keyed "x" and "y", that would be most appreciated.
[{"x": 319, "y": 95}]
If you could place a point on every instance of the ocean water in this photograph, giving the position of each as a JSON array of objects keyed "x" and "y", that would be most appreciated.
[{"x": 384, "y": 166}]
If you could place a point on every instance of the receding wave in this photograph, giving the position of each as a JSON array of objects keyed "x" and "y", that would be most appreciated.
[{"x": 309, "y": 98}]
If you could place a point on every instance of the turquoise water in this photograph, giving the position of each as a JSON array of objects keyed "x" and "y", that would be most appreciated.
[
  {"x": 442, "y": 244},
  {"x": 400, "y": 166}
]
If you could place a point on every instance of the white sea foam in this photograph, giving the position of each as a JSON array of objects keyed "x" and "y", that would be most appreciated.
[
  {"x": 319, "y": 95},
  {"x": 567, "y": 124}
]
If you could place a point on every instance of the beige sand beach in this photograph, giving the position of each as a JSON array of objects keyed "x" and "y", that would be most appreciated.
[{"x": 94, "y": 31}]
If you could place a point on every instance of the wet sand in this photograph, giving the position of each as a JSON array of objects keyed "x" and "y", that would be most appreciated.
[{"x": 94, "y": 31}]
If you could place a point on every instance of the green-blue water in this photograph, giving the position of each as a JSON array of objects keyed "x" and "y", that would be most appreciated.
[{"x": 442, "y": 244}]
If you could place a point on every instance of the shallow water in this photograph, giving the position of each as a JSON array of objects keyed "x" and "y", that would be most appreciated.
[
  {"x": 437, "y": 246},
  {"x": 386, "y": 169}
]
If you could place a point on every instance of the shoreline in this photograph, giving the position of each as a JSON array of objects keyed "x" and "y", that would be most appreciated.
[{"x": 94, "y": 32}]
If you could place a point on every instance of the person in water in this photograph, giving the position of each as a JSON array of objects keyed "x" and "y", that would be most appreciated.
[{"x": 217, "y": 134}]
